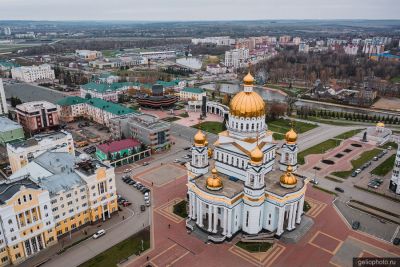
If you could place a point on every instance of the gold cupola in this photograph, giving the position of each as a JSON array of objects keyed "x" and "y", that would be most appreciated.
[
  {"x": 200, "y": 138},
  {"x": 291, "y": 137},
  {"x": 256, "y": 156},
  {"x": 288, "y": 180},
  {"x": 247, "y": 103},
  {"x": 380, "y": 124},
  {"x": 214, "y": 182},
  {"x": 248, "y": 79}
]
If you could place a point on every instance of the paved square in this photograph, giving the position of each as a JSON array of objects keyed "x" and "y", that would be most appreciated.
[
  {"x": 326, "y": 242},
  {"x": 163, "y": 174}
]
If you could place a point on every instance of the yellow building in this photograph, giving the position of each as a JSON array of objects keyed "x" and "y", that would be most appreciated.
[
  {"x": 76, "y": 191},
  {"x": 26, "y": 219}
]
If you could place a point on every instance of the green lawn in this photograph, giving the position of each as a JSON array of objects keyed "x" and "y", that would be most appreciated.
[
  {"x": 180, "y": 209},
  {"x": 395, "y": 79},
  {"x": 321, "y": 148},
  {"x": 332, "y": 122},
  {"x": 112, "y": 256},
  {"x": 392, "y": 144},
  {"x": 214, "y": 127},
  {"x": 254, "y": 246},
  {"x": 357, "y": 163},
  {"x": 282, "y": 126},
  {"x": 385, "y": 167},
  {"x": 348, "y": 134},
  {"x": 278, "y": 136}
]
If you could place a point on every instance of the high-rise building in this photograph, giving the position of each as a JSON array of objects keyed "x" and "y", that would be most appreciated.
[
  {"x": 3, "y": 103},
  {"x": 7, "y": 31},
  {"x": 236, "y": 58},
  {"x": 395, "y": 180}
]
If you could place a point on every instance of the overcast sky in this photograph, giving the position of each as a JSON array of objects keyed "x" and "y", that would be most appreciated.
[{"x": 198, "y": 9}]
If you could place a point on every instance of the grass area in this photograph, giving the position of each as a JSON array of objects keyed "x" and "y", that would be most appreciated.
[
  {"x": 254, "y": 246},
  {"x": 395, "y": 79},
  {"x": 357, "y": 163},
  {"x": 278, "y": 136},
  {"x": 110, "y": 53},
  {"x": 385, "y": 167},
  {"x": 180, "y": 209},
  {"x": 306, "y": 206},
  {"x": 124, "y": 249},
  {"x": 73, "y": 244},
  {"x": 214, "y": 127},
  {"x": 392, "y": 144},
  {"x": 282, "y": 126},
  {"x": 348, "y": 134},
  {"x": 332, "y": 122},
  {"x": 325, "y": 190},
  {"x": 317, "y": 149},
  {"x": 333, "y": 179},
  {"x": 171, "y": 119}
]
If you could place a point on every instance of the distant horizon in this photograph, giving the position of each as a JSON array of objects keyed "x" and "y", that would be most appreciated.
[
  {"x": 205, "y": 20},
  {"x": 198, "y": 10}
]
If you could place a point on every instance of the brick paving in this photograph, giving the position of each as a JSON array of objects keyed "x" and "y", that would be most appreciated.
[{"x": 329, "y": 236}]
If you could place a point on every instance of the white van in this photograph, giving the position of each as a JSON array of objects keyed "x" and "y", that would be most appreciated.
[{"x": 99, "y": 233}]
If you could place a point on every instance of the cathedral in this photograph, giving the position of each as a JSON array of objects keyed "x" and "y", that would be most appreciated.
[{"x": 239, "y": 184}]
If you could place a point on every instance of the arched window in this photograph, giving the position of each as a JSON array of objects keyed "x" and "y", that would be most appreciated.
[
  {"x": 9, "y": 221},
  {"x": 45, "y": 207}
]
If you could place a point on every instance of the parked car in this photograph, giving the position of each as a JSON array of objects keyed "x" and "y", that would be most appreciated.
[
  {"x": 126, "y": 203},
  {"x": 389, "y": 148},
  {"x": 186, "y": 148},
  {"x": 339, "y": 189},
  {"x": 142, "y": 208},
  {"x": 145, "y": 163},
  {"x": 127, "y": 170},
  {"x": 99, "y": 233},
  {"x": 176, "y": 160},
  {"x": 375, "y": 158},
  {"x": 354, "y": 174},
  {"x": 396, "y": 241},
  {"x": 373, "y": 185},
  {"x": 314, "y": 181},
  {"x": 147, "y": 203},
  {"x": 186, "y": 157},
  {"x": 358, "y": 171},
  {"x": 355, "y": 225}
]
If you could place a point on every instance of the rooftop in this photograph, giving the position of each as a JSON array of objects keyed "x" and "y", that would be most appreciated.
[
  {"x": 35, "y": 105},
  {"x": 104, "y": 86},
  {"x": 9, "y": 188},
  {"x": 109, "y": 106},
  {"x": 33, "y": 141},
  {"x": 8, "y": 125},
  {"x": 71, "y": 100},
  {"x": 119, "y": 145}
]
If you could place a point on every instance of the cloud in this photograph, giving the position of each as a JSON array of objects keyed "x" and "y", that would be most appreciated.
[{"x": 198, "y": 9}]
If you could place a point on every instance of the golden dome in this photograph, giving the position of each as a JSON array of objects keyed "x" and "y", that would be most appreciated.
[
  {"x": 210, "y": 152},
  {"x": 256, "y": 155},
  {"x": 200, "y": 138},
  {"x": 214, "y": 182},
  {"x": 291, "y": 137},
  {"x": 288, "y": 180},
  {"x": 248, "y": 79},
  {"x": 247, "y": 104},
  {"x": 380, "y": 124}
]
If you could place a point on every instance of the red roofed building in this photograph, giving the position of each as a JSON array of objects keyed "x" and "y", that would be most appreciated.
[{"x": 117, "y": 150}]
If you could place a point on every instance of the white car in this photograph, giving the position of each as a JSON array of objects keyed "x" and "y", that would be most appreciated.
[
  {"x": 127, "y": 170},
  {"x": 176, "y": 160},
  {"x": 146, "y": 198},
  {"x": 99, "y": 233},
  {"x": 186, "y": 157}
]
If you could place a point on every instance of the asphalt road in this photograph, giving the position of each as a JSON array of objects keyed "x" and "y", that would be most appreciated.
[{"x": 29, "y": 92}]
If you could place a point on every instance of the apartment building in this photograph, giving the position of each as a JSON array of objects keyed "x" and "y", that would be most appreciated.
[
  {"x": 37, "y": 116},
  {"x": 22, "y": 152},
  {"x": 33, "y": 73},
  {"x": 236, "y": 58}
]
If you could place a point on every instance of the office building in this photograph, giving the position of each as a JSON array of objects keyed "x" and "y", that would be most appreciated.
[
  {"x": 10, "y": 131},
  {"x": 236, "y": 58},
  {"x": 148, "y": 129}
]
